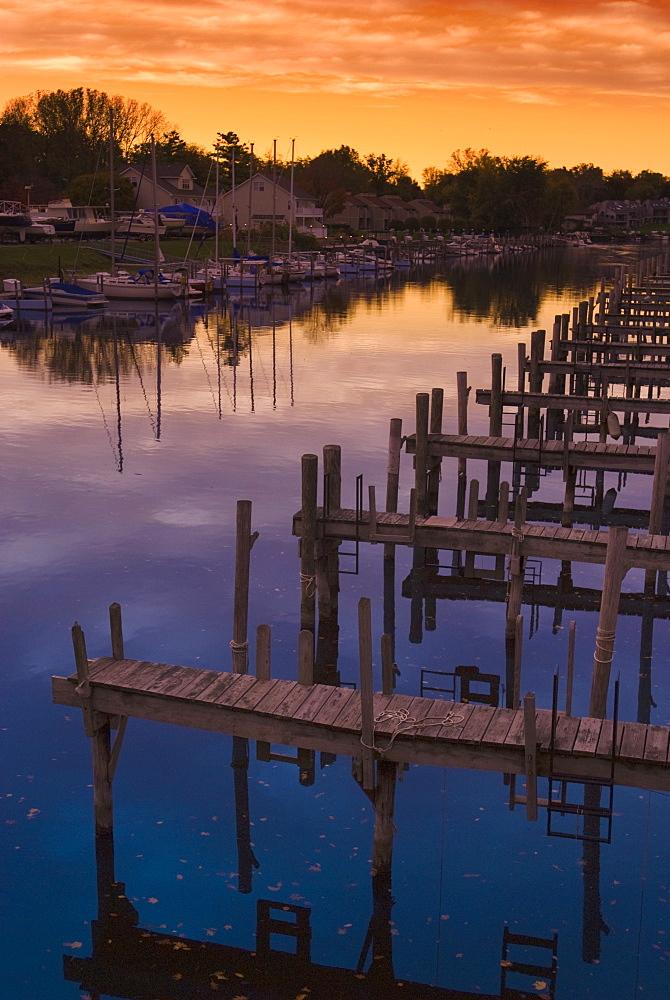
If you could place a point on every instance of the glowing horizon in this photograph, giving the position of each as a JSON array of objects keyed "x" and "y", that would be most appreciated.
[{"x": 415, "y": 80}]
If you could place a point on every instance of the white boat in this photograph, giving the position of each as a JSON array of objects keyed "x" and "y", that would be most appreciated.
[
  {"x": 138, "y": 224},
  {"x": 123, "y": 285},
  {"x": 6, "y": 313},
  {"x": 65, "y": 293}
]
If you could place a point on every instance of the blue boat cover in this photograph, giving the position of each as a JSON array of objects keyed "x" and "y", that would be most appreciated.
[{"x": 196, "y": 216}]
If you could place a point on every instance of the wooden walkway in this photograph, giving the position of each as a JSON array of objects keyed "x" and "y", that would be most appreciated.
[
  {"x": 549, "y": 454},
  {"x": 325, "y": 718},
  {"x": 590, "y": 404},
  {"x": 490, "y": 537}
]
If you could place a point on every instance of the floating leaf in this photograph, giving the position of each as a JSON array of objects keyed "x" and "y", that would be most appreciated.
[{"x": 72, "y": 944}]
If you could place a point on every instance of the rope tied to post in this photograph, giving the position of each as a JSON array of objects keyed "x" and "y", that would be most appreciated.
[
  {"x": 604, "y": 636},
  {"x": 309, "y": 583},
  {"x": 239, "y": 647},
  {"x": 404, "y": 722}
]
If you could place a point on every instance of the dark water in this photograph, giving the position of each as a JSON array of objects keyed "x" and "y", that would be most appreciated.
[{"x": 126, "y": 443}]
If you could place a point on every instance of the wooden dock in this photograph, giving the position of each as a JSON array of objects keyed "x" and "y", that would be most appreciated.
[
  {"x": 325, "y": 718},
  {"x": 487, "y": 537},
  {"x": 548, "y": 454}
]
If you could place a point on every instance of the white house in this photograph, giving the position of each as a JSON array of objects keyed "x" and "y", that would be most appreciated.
[{"x": 259, "y": 199}]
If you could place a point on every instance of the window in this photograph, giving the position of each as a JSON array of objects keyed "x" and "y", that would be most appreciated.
[
  {"x": 185, "y": 184},
  {"x": 259, "y": 186}
]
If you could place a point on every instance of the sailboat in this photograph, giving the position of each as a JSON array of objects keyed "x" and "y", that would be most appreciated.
[{"x": 148, "y": 283}]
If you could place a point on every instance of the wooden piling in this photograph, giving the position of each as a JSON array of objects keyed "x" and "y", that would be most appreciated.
[
  {"x": 244, "y": 541},
  {"x": 530, "y": 747},
  {"x": 367, "y": 709},
  {"x": 421, "y": 454},
  {"x": 537, "y": 339},
  {"x": 332, "y": 472},
  {"x": 393, "y": 465},
  {"x": 435, "y": 462},
  {"x": 310, "y": 466},
  {"x": 263, "y": 647},
  {"x": 571, "y": 668},
  {"x": 306, "y": 657},
  {"x": 615, "y": 570},
  {"x": 473, "y": 507},
  {"x": 515, "y": 591},
  {"x": 496, "y": 404},
  {"x": 116, "y": 629},
  {"x": 659, "y": 488},
  {"x": 388, "y": 666},
  {"x": 462, "y": 399}
]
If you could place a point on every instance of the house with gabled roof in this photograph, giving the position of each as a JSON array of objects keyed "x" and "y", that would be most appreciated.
[
  {"x": 259, "y": 199},
  {"x": 175, "y": 183}
]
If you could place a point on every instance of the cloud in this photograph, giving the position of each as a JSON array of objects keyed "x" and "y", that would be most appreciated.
[{"x": 535, "y": 52}]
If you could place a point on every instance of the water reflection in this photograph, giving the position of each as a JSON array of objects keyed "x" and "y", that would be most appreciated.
[{"x": 215, "y": 402}]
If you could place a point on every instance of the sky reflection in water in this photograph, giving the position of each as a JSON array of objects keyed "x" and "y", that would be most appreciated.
[{"x": 109, "y": 496}]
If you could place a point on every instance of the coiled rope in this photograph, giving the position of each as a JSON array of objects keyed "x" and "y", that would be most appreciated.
[{"x": 404, "y": 722}]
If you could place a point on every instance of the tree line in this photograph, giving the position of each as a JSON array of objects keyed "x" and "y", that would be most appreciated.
[{"x": 57, "y": 144}]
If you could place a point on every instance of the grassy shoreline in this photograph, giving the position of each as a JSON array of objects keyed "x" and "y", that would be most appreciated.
[{"x": 32, "y": 262}]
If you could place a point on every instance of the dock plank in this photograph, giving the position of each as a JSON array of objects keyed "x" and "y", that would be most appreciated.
[
  {"x": 567, "y": 727},
  {"x": 656, "y": 746},
  {"x": 634, "y": 737},
  {"x": 587, "y": 736},
  {"x": 499, "y": 726},
  {"x": 329, "y": 711},
  {"x": 316, "y": 698}
]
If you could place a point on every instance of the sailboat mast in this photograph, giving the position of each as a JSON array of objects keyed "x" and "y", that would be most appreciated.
[
  {"x": 274, "y": 194},
  {"x": 251, "y": 184},
  {"x": 233, "y": 207},
  {"x": 112, "y": 238},
  {"x": 291, "y": 207},
  {"x": 154, "y": 183}
]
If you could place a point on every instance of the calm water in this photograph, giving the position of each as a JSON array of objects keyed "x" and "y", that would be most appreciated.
[{"x": 125, "y": 447}]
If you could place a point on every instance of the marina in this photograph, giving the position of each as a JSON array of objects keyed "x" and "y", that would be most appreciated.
[{"x": 322, "y": 675}]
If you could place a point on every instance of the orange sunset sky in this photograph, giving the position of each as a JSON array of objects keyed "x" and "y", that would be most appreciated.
[{"x": 570, "y": 81}]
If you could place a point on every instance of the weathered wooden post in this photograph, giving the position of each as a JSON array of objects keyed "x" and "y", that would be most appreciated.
[
  {"x": 615, "y": 570},
  {"x": 571, "y": 668},
  {"x": 516, "y": 562},
  {"x": 367, "y": 710},
  {"x": 501, "y": 515},
  {"x": 392, "y": 487},
  {"x": 97, "y": 727},
  {"x": 310, "y": 465},
  {"x": 659, "y": 488},
  {"x": 421, "y": 453},
  {"x": 536, "y": 379},
  {"x": 393, "y": 466},
  {"x": 389, "y": 668},
  {"x": 530, "y": 748},
  {"x": 462, "y": 393},
  {"x": 496, "y": 405},
  {"x": 306, "y": 657},
  {"x": 244, "y": 541},
  {"x": 473, "y": 508},
  {"x": 263, "y": 648},
  {"x": 116, "y": 629},
  {"x": 435, "y": 462}
]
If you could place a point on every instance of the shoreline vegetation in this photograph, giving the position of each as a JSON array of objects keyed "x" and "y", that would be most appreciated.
[{"x": 55, "y": 144}]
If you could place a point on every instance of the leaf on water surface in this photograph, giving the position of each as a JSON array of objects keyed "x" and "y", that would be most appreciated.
[
  {"x": 210, "y": 931},
  {"x": 72, "y": 944},
  {"x": 152, "y": 899}
]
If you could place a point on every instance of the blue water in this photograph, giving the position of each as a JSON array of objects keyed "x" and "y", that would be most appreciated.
[{"x": 110, "y": 495}]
